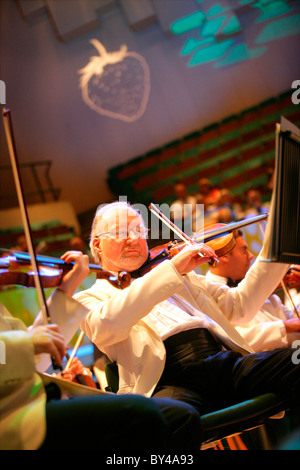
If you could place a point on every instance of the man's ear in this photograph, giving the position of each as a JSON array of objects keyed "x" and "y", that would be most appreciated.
[
  {"x": 97, "y": 245},
  {"x": 225, "y": 258}
]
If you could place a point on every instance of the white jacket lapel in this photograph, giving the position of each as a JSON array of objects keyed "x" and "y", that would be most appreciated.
[{"x": 206, "y": 308}]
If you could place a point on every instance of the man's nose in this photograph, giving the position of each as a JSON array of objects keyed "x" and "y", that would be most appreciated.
[{"x": 132, "y": 235}]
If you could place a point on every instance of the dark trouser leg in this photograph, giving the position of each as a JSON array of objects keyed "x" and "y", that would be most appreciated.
[
  {"x": 181, "y": 394},
  {"x": 227, "y": 378},
  {"x": 206, "y": 384},
  {"x": 270, "y": 371},
  {"x": 106, "y": 422},
  {"x": 121, "y": 422},
  {"x": 183, "y": 421}
]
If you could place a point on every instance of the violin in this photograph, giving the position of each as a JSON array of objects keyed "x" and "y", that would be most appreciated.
[
  {"x": 17, "y": 269},
  {"x": 220, "y": 237},
  {"x": 222, "y": 245}
]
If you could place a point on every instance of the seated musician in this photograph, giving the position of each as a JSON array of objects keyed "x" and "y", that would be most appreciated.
[
  {"x": 274, "y": 325},
  {"x": 170, "y": 330},
  {"x": 30, "y": 420}
]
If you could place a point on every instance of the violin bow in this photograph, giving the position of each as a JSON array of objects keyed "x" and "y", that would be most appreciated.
[
  {"x": 175, "y": 229},
  {"x": 207, "y": 236},
  {"x": 170, "y": 224},
  {"x": 75, "y": 349},
  {"x": 27, "y": 229}
]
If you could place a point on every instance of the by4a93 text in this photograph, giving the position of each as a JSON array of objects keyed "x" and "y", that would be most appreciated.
[{"x": 181, "y": 459}]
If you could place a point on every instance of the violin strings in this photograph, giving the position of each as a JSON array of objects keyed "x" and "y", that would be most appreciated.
[
  {"x": 170, "y": 224},
  {"x": 173, "y": 227}
]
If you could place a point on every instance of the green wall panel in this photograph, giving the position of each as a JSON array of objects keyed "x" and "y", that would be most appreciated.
[{"x": 234, "y": 153}]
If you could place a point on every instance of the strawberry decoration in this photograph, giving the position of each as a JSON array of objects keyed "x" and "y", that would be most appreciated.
[{"x": 116, "y": 84}]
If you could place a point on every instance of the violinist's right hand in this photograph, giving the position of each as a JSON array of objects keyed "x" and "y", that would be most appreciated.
[
  {"x": 192, "y": 256},
  {"x": 48, "y": 339}
]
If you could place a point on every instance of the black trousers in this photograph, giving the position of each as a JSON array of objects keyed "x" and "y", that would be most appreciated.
[
  {"x": 199, "y": 373},
  {"x": 118, "y": 422}
]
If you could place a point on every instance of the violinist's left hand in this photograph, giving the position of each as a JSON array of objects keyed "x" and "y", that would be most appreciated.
[{"x": 72, "y": 279}]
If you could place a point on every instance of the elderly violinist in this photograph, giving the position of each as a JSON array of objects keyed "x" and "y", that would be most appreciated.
[
  {"x": 31, "y": 418},
  {"x": 170, "y": 331}
]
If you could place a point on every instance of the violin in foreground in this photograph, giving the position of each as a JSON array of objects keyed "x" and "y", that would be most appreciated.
[{"x": 16, "y": 269}]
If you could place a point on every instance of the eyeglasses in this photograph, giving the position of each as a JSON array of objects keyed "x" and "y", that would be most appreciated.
[{"x": 123, "y": 234}]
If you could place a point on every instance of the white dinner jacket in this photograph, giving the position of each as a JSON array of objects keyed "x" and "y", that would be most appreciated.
[{"x": 119, "y": 324}]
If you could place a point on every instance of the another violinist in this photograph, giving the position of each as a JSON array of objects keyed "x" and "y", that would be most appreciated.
[
  {"x": 29, "y": 420},
  {"x": 23, "y": 397},
  {"x": 170, "y": 331},
  {"x": 274, "y": 325}
]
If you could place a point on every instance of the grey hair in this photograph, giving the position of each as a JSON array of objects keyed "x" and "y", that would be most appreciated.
[{"x": 101, "y": 212}]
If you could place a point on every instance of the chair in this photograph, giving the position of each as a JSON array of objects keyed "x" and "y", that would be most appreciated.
[
  {"x": 226, "y": 422},
  {"x": 240, "y": 417}
]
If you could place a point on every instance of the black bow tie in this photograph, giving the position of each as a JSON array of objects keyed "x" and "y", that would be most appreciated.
[
  {"x": 162, "y": 255},
  {"x": 232, "y": 283}
]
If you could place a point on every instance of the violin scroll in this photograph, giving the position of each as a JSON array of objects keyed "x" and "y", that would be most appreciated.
[{"x": 121, "y": 281}]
